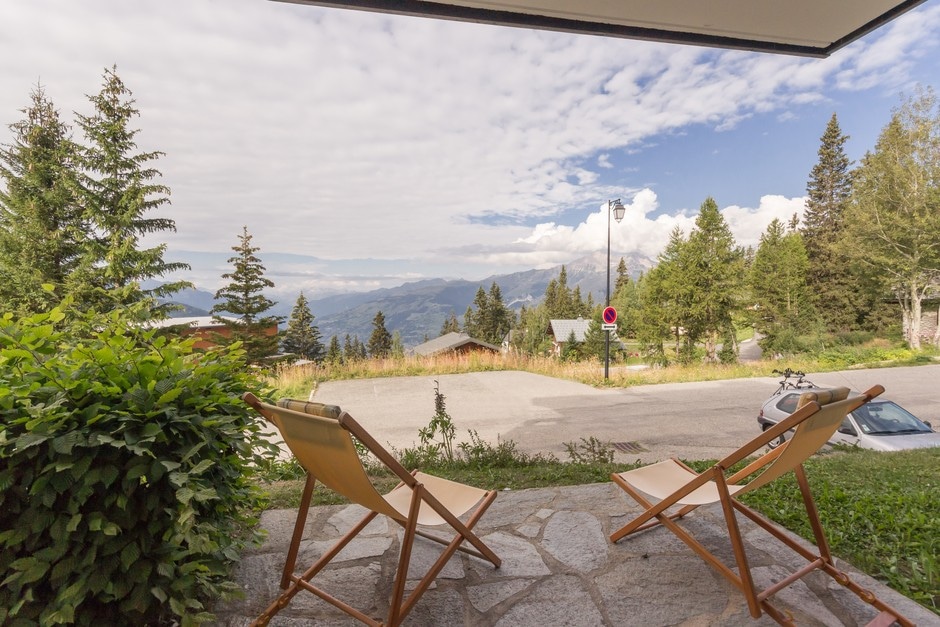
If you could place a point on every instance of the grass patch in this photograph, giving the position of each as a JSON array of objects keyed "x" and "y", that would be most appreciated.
[
  {"x": 286, "y": 493},
  {"x": 881, "y": 512}
]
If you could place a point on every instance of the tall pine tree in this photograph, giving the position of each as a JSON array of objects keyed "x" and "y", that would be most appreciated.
[
  {"x": 244, "y": 299},
  {"x": 42, "y": 229},
  {"x": 713, "y": 278},
  {"x": 334, "y": 354},
  {"x": 302, "y": 337},
  {"x": 829, "y": 277},
  {"x": 380, "y": 342},
  {"x": 777, "y": 279},
  {"x": 118, "y": 193},
  {"x": 664, "y": 301},
  {"x": 451, "y": 325},
  {"x": 491, "y": 320},
  {"x": 474, "y": 320},
  {"x": 499, "y": 318}
]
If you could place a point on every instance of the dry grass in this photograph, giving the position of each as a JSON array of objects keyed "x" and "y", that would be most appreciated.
[{"x": 297, "y": 381}]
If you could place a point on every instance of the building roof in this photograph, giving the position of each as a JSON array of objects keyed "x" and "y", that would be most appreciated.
[
  {"x": 562, "y": 329},
  {"x": 814, "y": 28},
  {"x": 196, "y": 322},
  {"x": 449, "y": 342}
]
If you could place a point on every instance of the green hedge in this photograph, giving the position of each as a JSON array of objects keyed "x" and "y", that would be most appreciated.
[{"x": 125, "y": 471}]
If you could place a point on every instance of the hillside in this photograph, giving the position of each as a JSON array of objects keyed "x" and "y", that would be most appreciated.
[{"x": 418, "y": 309}]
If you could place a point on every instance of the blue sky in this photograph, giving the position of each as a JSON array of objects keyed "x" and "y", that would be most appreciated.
[{"x": 364, "y": 150}]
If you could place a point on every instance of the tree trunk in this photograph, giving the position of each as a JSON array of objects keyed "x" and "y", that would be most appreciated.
[
  {"x": 936, "y": 331},
  {"x": 912, "y": 313},
  {"x": 711, "y": 347}
]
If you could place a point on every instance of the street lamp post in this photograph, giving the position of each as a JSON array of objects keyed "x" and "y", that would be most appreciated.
[{"x": 616, "y": 207}]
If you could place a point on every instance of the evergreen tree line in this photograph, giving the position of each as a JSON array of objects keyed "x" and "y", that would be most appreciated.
[
  {"x": 868, "y": 247},
  {"x": 73, "y": 210}
]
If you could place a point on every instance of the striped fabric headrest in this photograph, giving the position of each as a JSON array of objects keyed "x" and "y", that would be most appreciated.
[
  {"x": 823, "y": 397},
  {"x": 309, "y": 407}
]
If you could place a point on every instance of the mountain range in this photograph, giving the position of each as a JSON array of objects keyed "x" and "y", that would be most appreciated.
[{"x": 418, "y": 310}]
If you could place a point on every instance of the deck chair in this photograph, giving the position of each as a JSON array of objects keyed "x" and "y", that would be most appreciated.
[
  {"x": 320, "y": 437},
  {"x": 675, "y": 485}
]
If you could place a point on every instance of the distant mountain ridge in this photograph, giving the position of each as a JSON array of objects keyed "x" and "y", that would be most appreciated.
[{"x": 418, "y": 309}]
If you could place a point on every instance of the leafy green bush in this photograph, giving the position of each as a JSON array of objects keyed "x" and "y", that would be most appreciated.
[
  {"x": 125, "y": 483},
  {"x": 842, "y": 357},
  {"x": 281, "y": 469},
  {"x": 853, "y": 338},
  {"x": 478, "y": 454},
  {"x": 590, "y": 451}
]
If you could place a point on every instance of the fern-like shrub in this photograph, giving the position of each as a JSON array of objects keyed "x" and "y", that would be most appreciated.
[{"x": 125, "y": 471}]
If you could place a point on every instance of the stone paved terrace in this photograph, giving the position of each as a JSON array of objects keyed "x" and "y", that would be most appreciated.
[{"x": 558, "y": 569}]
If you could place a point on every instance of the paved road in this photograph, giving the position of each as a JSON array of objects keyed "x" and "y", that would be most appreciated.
[{"x": 691, "y": 420}]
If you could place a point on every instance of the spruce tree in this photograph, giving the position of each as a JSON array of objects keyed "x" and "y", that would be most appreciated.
[
  {"x": 244, "y": 299},
  {"x": 475, "y": 321},
  {"x": 469, "y": 321},
  {"x": 302, "y": 337},
  {"x": 595, "y": 341},
  {"x": 334, "y": 353},
  {"x": 664, "y": 300},
  {"x": 829, "y": 276},
  {"x": 777, "y": 279},
  {"x": 398, "y": 346},
  {"x": 380, "y": 342},
  {"x": 626, "y": 300},
  {"x": 578, "y": 308},
  {"x": 563, "y": 300},
  {"x": 499, "y": 318},
  {"x": 550, "y": 300},
  {"x": 118, "y": 191},
  {"x": 349, "y": 350},
  {"x": 42, "y": 229},
  {"x": 623, "y": 278},
  {"x": 712, "y": 278},
  {"x": 569, "y": 350},
  {"x": 451, "y": 325}
]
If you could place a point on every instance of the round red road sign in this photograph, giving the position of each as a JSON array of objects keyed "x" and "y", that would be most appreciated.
[{"x": 610, "y": 315}]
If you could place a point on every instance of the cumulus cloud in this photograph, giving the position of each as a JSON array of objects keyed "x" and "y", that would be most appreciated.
[
  {"x": 643, "y": 232},
  {"x": 439, "y": 146}
]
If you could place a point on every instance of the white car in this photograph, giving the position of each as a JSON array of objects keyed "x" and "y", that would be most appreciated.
[{"x": 880, "y": 425}]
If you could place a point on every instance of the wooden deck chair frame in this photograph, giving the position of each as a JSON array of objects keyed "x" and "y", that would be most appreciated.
[
  {"x": 674, "y": 484},
  {"x": 417, "y": 499}
]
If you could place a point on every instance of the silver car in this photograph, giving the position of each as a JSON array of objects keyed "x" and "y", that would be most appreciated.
[{"x": 880, "y": 425}]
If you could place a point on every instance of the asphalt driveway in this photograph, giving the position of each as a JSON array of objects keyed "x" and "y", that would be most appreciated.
[{"x": 651, "y": 422}]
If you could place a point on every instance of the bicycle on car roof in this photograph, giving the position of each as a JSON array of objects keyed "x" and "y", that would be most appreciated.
[{"x": 793, "y": 380}]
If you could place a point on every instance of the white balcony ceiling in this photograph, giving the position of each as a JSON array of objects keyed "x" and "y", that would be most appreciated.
[{"x": 803, "y": 27}]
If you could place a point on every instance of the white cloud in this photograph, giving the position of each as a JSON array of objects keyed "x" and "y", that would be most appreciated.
[
  {"x": 749, "y": 223},
  {"x": 348, "y": 135},
  {"x": 640, "y": 233}
]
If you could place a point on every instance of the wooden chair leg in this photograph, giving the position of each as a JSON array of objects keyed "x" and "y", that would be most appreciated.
[
  {"x": 740, "y": 555},
  {"x": 298, "y": 531},
  {"x": 462, "y": 535},
  {"x": 302, "y": 582},
  {"x": 398, "y": 591}
]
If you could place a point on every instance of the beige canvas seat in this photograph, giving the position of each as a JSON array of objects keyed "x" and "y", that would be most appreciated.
[
  {"x": 320, "y": 437},
  {"x": 675, "y": 485}
]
